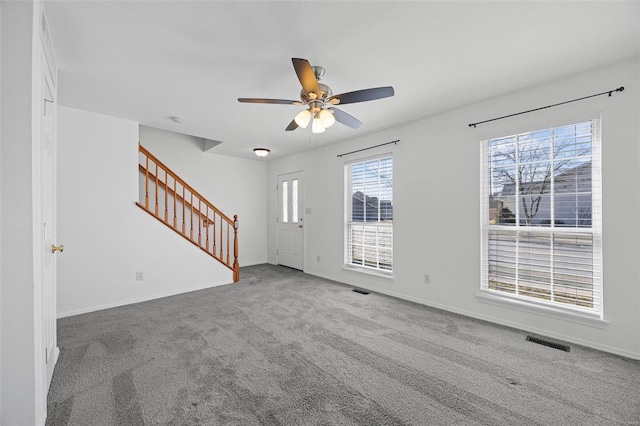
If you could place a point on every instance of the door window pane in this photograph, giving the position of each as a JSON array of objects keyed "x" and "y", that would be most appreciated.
[
  {"x": 294, "y": 201},
  {"x": 285, "y": 202}
]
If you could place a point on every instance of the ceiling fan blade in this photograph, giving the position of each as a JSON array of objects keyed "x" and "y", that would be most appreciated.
[
  {"x": 269, "y": 101},
  {"x": 345, "y": 118},
  {"x": 362, "y": 95},
  {"x": 306, "y": 75},
  {"x": 292, "y": 126}
]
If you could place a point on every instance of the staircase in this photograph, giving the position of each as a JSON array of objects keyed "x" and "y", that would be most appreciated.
[{"x": 169, "y": 199}]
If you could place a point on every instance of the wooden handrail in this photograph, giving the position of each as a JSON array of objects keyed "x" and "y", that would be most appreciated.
[
  {"x": 193, "y": 205},
  {"x": 144, "y": 151},
  {"x": 173, "y": 191}
]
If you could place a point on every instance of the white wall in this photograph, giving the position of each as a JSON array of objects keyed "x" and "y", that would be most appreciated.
[
  {"x": 436, "y": 204},
  {"x": 234, "y": 185},
  {"x": 0, "y": 211},
  {"x": 21, "y": 362},
  {"x": 107, "y": 238}
]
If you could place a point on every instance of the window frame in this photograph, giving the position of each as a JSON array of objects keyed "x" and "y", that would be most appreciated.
[
  {"x": 551, "y": 230},
  {"x": 348, "y": 222}
]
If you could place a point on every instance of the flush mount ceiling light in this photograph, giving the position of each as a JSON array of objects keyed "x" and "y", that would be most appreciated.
[
  {"x": 261, "y": 152},
  {"x": 320, "y": 101},
  {"x": 176, "y": 119}
]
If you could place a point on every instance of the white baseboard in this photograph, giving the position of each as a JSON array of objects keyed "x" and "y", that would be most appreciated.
[
  {"x": 518, "y": 326},
  {"x": 136, "y": 300}
]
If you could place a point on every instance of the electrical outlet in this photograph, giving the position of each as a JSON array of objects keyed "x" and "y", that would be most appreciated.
[
  {"x": 139, "y": 276},
  {"x": 427, "y": 279}
]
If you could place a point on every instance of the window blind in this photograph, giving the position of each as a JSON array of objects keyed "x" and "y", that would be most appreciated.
[
  {"x": 541, "y": 215},
  {"x": 369, "y": 222}
]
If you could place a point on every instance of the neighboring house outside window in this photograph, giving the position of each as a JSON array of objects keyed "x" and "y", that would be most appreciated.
[
  {"x": 542, "y": 219},
  {"x": 369, "y": 221}
]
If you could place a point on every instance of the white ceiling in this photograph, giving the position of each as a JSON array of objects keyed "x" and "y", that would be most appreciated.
[{"x": 149, "y": 60}]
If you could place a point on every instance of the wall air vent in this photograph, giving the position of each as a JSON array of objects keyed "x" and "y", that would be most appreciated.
[{"x": 545, "y": 342}]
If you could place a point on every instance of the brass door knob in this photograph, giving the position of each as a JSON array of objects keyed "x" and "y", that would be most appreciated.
[{"x": 55, "y": 248}]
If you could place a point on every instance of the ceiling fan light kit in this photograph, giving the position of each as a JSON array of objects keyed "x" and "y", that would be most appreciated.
[
  {"x": 320, "y": 100},
  {"x": 303, "y": 118},
  {"x": 327, "y": 118},
  {"x": 316, "y": 126}
]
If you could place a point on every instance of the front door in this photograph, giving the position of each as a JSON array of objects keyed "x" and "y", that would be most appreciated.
[{"x": 290, "y": 227}]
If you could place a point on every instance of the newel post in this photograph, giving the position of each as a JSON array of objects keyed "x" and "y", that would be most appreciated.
[{"x": 236, "y": 266}]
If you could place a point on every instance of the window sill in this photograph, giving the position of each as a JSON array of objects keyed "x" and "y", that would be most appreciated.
[
  {"x": 388, "y": 276},
  {"x": 539, "y": 309}
]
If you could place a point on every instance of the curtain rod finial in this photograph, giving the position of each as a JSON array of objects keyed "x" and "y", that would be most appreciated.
[{"x": 619, "y": 89}]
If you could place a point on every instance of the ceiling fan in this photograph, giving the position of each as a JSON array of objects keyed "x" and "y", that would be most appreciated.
[{"x": 321, "y": 101}]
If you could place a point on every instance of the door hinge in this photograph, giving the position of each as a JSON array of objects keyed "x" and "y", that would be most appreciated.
[
  {"x": 46, "y": 356},
  {"x": 277, "y": 252},
  {"x": 277, "y": 187}
]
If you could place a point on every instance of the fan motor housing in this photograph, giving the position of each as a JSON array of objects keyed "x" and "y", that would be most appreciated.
[{"x": 325, "y": 93}]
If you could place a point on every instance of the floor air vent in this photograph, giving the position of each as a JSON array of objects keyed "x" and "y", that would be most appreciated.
[
  {"x": 357, "y": 290},
  {"x": 549, "y": 343}
]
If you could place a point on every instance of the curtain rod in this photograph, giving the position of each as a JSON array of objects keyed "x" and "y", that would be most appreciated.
[
  {"x": 371, "y": 147},
  {"x": 609, "y": 92}
]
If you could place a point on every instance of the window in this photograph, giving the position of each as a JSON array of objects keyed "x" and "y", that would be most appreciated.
[
  {"x": 294, "y": 201},
  {"x": 285, "y": 201},
  {"x": 369, "y": 221},
  {"x": 541, "y": 217}
]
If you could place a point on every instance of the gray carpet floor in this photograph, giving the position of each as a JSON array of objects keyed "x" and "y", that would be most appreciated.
[{"x": 284, "y": 348}]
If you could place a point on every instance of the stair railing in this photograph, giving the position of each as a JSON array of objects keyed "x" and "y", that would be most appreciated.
[{"x": 176, "y": 204}]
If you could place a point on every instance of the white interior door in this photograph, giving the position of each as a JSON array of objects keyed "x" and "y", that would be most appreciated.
[
  {"x": 290, "y": 226},
  {"x": 48, "y": 194}
]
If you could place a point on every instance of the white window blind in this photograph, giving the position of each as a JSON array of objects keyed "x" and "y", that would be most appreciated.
[
  {"x": 541, "y": 216},
  {"x": 369, "y": 221}
]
